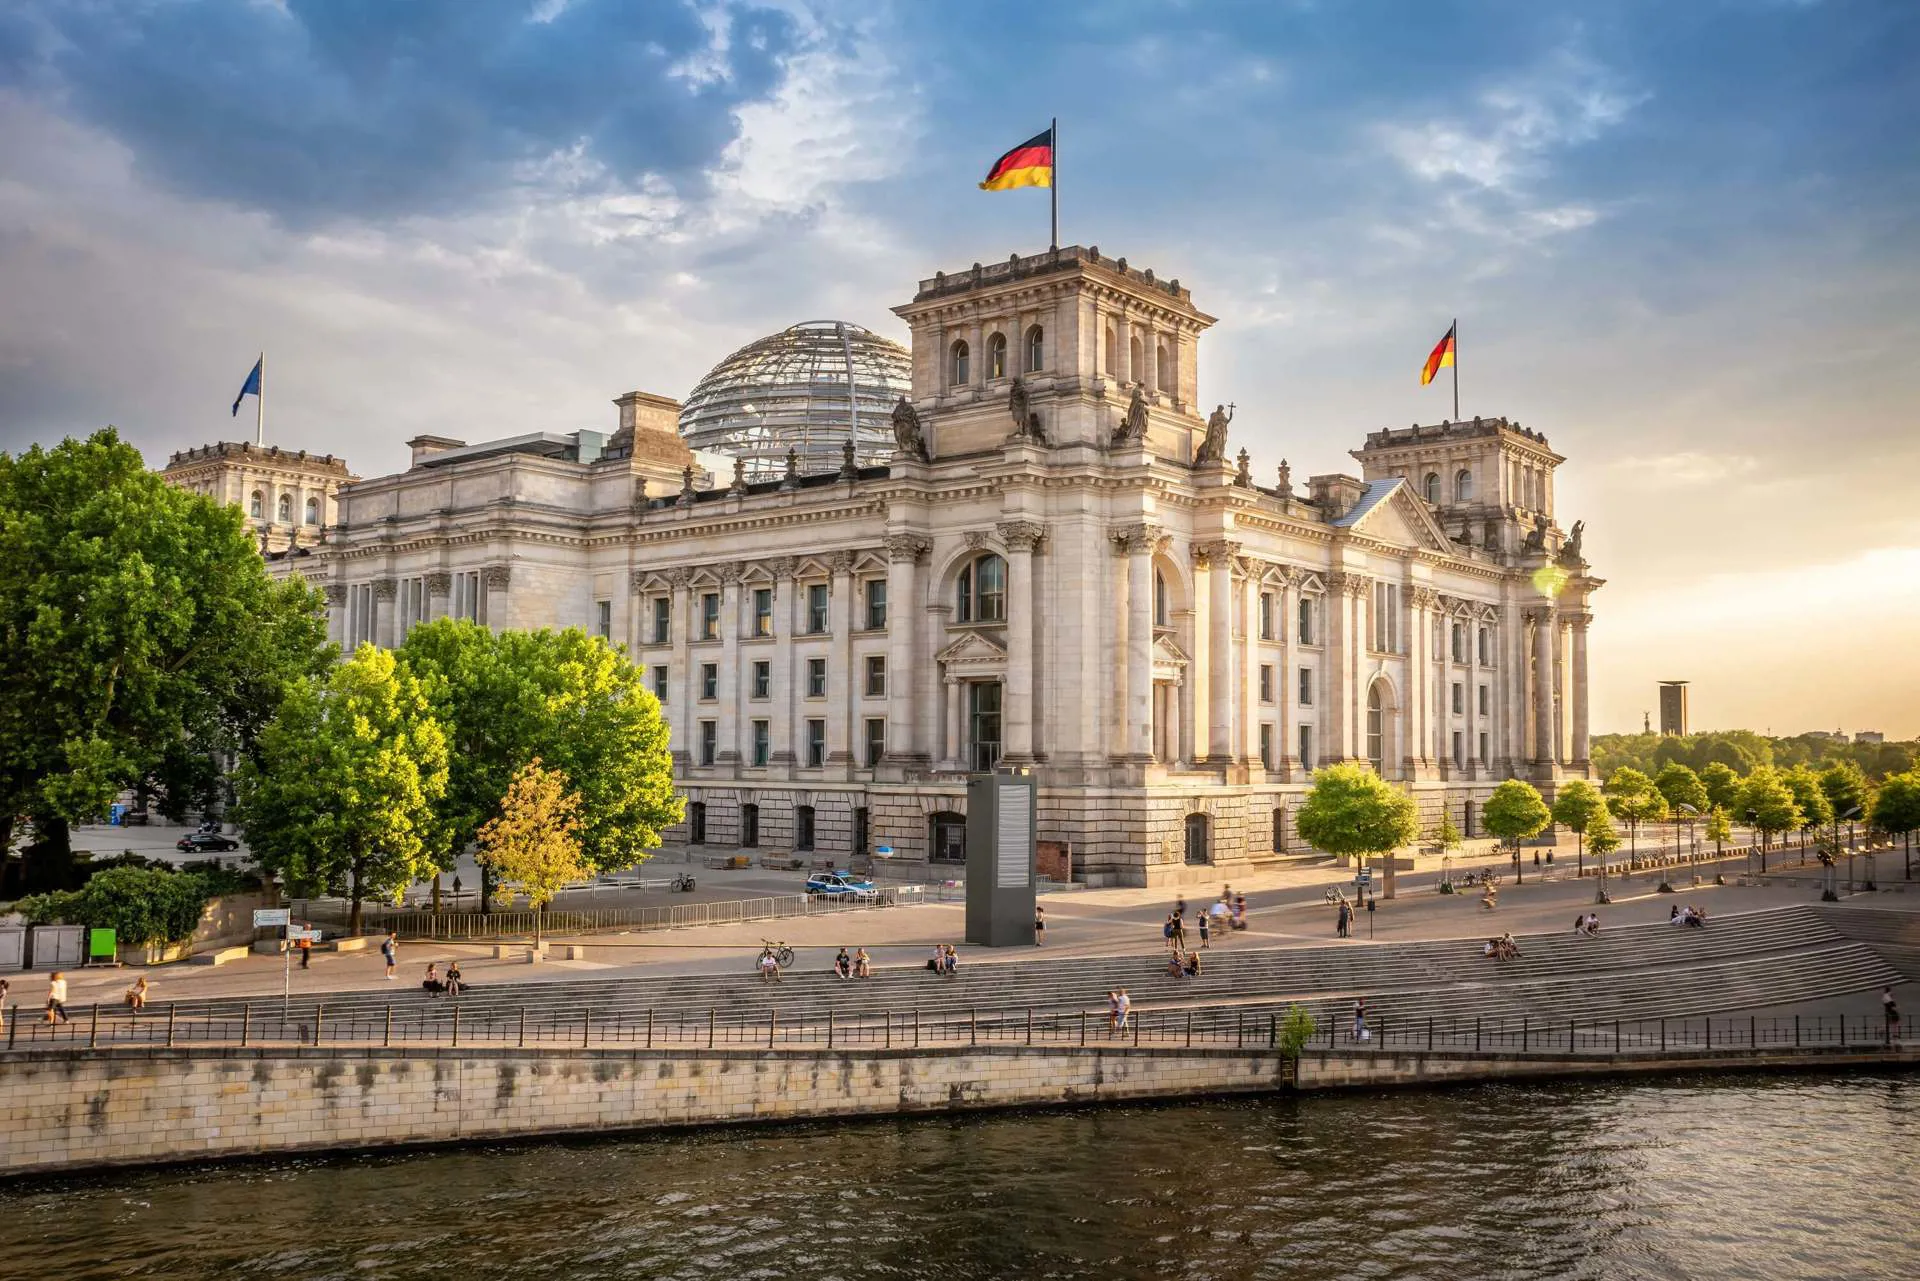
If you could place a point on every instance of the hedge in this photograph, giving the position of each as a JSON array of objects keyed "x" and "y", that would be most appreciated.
[{"x": 140, "y": 905}]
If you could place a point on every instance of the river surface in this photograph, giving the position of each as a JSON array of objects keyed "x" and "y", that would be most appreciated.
[{"x": 1764, "y": 1177}]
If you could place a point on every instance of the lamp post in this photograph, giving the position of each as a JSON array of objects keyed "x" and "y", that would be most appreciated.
[
  {"x": 1753, "y": 826},
  {"x": 1851, "y": 815},
  {"x": 1689, "y": 813}
]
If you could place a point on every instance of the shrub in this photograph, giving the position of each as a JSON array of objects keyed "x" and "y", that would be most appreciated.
[
  {"x": 1295, "y": 1031},
  {"x": 140, "y": 905}
]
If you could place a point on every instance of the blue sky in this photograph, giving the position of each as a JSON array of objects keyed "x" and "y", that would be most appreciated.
[{"x": 1680, "y": 238}]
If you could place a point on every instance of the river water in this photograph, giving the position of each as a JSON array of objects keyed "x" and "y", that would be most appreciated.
[{"x": 1764, "y": 1177}]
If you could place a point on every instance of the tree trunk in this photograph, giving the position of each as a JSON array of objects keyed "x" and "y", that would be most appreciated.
[
  {"x": 486, "y": 890},
  {"x": 1580, "y": 852},
  {"x": 1390, "y": 862},
  {"x": 353, "y": 903},
  {"x": 436, "y": 893},
  {"x": 539, "y": 918}
]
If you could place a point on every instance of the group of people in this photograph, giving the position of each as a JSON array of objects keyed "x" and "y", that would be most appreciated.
[
  {"x": 1119, "y": 1010},
  {"x": 1344, "y": 917},
  {"x": 1688, "y": 915},
  {"x": 857, "y": 966},
  {"x": 451, "y": 985},
  {"x": 1587, "y": 925},
  {"x": 1183, "y": 964},
  {"x": 945, "y": 959},
  {"x": 1228, "y": 912},
  {"x": 1501, "y": 948}
]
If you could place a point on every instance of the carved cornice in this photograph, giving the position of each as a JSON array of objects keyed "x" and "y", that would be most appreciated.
[
  {"x": 728, "y": 571},
  {"x": 1354, "y": 585},
  {"x": 385, "y": 589},
  {"x": 1426, "y": 598},
  {"x": 781, "y": 567},
  {"x": 439, "y": 583},
  {"x": 1021, "y": 535},
  {"x": 498, "y": 578},
  {"x": 336, "y": 594},
  {"x": 1216, "y": 551},
  {"x": 910, "y": 549},
  {"x": 976, "y": 539},
  {"x": 843, "y": 562},
  {"x": 1577, "y": 621},
  {"x": 680, "y": 576},
  {"x": 1130, "y": 539}
]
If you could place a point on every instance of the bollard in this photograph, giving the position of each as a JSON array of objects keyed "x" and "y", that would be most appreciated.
[
  {"x": 93, "y": 1028},
  {"x": 246, "y": 1022},
  {"x": 523, "y": 1027},
  {"x": 456, "y": 1027}
]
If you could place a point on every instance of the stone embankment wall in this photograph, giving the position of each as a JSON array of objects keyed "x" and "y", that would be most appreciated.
[{"x": 65, "y": 1110}]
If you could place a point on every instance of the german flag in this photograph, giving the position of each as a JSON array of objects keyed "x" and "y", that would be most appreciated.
[
  {"x": 1028, "y": 165},
  {"x": 1441, "y": 358}
]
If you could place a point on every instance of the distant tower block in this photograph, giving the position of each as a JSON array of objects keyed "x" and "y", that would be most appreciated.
[{"x": 1673, "y": 707}]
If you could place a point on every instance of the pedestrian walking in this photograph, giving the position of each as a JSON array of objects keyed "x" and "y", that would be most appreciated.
[
  {"x": 1166, "y": 931},
  {"x": 1343, "y": 920},
  {"x": 1360, "y": 1032},
  {"x": 306, "y": 952},
  {"x": 1179, "y": 932},
  {"x": 1126, "y": 1009},
  {"x": 390, "y": 949},
  {"x": 5, "y": 988},
  {"x": 57, "y": 998},
  {"x": 1113, "y": 1012},
  {"x": 1892, "y": 1013},
  {"x": 1039, "y": 926},
  {"x": 1206, "y": 931}
]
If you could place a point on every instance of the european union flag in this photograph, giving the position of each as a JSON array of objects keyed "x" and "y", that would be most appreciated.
[{"x": 251, "y": 387}]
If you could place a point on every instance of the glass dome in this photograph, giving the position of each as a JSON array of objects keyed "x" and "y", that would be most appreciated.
[{"x": 801, "y": 389}]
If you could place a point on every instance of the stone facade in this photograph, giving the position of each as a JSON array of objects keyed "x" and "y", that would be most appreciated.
[
  {"x": 1062, "y": 569},
  {"x": 289, "y": 496}
]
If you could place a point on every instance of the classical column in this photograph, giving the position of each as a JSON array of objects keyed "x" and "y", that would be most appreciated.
[
  {"x": 1116, "y": 650},
  {"x": 337, "y": 614},
  {"x": 1343, "y": 666},
  {"x": 780, "y": 745},
  {"x": 1022, "y": 538},
  {"x": 1250, "y": 668},
  {"x": 1582, "y": 743},
  {"x": 439, "y": 588},
  {"x": 1426, "y": 606},
  {"x": 840, "y": 680},
  {"x": 951, "y": 759},
  {"x": 1137, "y": 739},
  {"x": 729, "y": 755},
  {"x": 384, "y": 592},
  {"x": 496, "y": 581},
  {"x": 680, "y": 673},
  {"x": 1286, "y": 692},
  {"x": 904, "y": 607},
  {"x": 1543, "y": 685},
  {"x": 1216, "y": 558}
]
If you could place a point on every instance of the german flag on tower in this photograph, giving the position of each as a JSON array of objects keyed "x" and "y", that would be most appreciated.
[
  {"x": 1028, "y": 165},
  {"x": 1441, "y": 358}
]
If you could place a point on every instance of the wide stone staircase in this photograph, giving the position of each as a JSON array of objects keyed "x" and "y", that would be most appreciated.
[
  {"x": 1737, "y": 963},
  {"x": 1894, "y": 935}
]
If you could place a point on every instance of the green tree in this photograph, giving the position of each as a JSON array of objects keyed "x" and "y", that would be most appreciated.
[
  {"x": 1722, "y": 784},
  {"x": 1603, "y": 839},
  {"x": 533, "y": 846},
  {"x": 564, "y": 697},
  {"x": 1513, "y": 813},
  {"x": 1633, "y": 799},
  {"x": 341, "y": 791},
  {"x": 1679, "y": 786},
  {"x": 1896, "y": 809},
  {"x": 1443, "y": 835},
  {"x": 1815, "y": 810},
  {"x": 140, "y": 637},
  {"x": 1846, "y": 788},
  {"x": 1353, "y": 811},
  {"x": 1767, "y": 803},
  {"x": 1719, "y": 829},
  {"x": 1575, "y": 808}
]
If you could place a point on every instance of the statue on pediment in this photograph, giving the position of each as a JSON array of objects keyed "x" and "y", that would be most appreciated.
[
  {"x": 1537, "y": 537},
  {"x": 1570, "y": 557},
  {"x": 1213, "y": 446},
  {"x": 1133, "y": 427},
  {"x": 1284, "y": 487},
  {"x": 907, "y": 437}
]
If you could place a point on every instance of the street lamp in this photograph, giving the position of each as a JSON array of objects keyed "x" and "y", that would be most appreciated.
[
  {"x": 1689, "y": 813},
  {"x": 1753, "y": 826},
  {"x": 1852, "y": 850}
]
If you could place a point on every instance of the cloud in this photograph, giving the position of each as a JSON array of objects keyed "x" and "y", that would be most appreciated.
[
  {"x": 318, "y": 110},
  {"x": 1686, "y": 469}
]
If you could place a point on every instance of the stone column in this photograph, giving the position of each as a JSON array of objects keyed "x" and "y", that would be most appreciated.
[
  {"x": 680, "y": 680},
  {"x": 1471, "y": 743},
  {"x": 1421, "y": 730},
  {"x": 840, "y": 678},
  {"x": 337, "y": 614},
  {"x": 1250, "y": 669},
  {"x": 1582, "y": 741},
  {"x": 439, "y": 588},
  {"x": 1137, "y": 739},
  {"x": 1343, "y": 666},
  {"x": 495, "y": 581},
  {"x": 1217, "y": 644},
  {"x": 384, "y": 592},
  {"x": 904, "y": 607},
  {"x": 1287, "y": 685},
  {"x": 1543, "y": 685},
  {"x": 1022, "y": 538},
  {"x": 728, "y": 756},
  {"x": 780, "y": 744},
  {"x": 952, "y": 757}
]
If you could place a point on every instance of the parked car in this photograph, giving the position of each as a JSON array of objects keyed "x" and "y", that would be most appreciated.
[
  {"x": 841, "y": 885},
  {"x": 204, "y": 842}
]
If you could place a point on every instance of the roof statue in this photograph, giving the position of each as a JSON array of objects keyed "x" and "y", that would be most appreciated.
[
  {"x": 1537, "y": 538},
  {"x": 1570, "y": 557},
  {"x": 1133, "y": 427},
  {"x": 1213, "y": 447},
  {"x": 1284, "y": 486},
  {"x": 907, "y": 437}
]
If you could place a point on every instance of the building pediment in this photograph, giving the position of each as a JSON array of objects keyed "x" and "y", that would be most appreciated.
[
  {"x": 1388, "y": 511},
  {"x": 975, "y": 653}
]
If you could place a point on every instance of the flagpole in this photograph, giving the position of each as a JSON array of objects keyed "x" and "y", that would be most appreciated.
[
  {"x": 260, "y": 405},
  {"x": 1456, "y": 369},
  {"x": 1053, "y": 187}
]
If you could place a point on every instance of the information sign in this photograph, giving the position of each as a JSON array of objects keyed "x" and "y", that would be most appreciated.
[{"x": 267, "y": 917}]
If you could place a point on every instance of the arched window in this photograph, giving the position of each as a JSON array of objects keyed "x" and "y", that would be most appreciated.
[
  {"x": 1463, "y": 486},
  {"x": 1135, "y": 366},
  {"x": 1159, "y": 599},
  {"x": 1113, "y": 352},
  {"x": 1163, "y": 368},
  {"x": 958, "y": 367},
  {"x": 286, "y": 509},
  {"x": 1036, "y": 348},
  {"x": 258, "y": 507},
  {"x": 997, "y": 356},
  {"x": 982, "y": 592},
  {"x": 313, "y": 511},
  {"x": 1376, "y": 731},
  {"x": 1432, "y": 490}
]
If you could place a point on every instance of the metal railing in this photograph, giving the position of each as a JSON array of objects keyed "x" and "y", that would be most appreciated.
[
  {"x": 455, "y": 926},
  {"x": 446, "y": 1023}
]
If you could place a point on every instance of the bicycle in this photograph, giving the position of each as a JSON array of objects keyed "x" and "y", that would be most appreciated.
[
  {"x": 683, "y": 883},
  {"x": 782, "y": 954}
]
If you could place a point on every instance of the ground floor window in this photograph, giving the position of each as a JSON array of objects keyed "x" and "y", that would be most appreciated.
[
  {"x": 1279, "y": 830},
  {"x": 749, "y": 825},
  {"x": 860, "y": 831},
  {"x": 697, "y": 823},
  {"x": 1466, "y": 819},
  {"x": 948, "y": 837},
  {"x": 803, "y": 827},
  {"x": 1197, "y": 851}
]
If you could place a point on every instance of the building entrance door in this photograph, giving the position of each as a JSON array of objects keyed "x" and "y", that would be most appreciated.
[{"x": 1197, "y": 839}]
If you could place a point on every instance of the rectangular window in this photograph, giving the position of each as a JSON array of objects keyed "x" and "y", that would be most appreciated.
[
  {"x": 710, "y": 616},
  {"x": 1306, "y": 687},
  {"x": 709, "y": 741},
  {"x": 876, "y": 604},
  {"x": 983, "y": 718},
  {"x": 762, "y": 741},
  {"x": 709, "y": 680},
  {"x": 876, "y": 740},
  {"x": 697, "y": 823},
  {"x": 1386, "y": 618},
  {"x": 603, "y": 619},
  {"x": 803, "y": 827},
  {"x": 1306, "y": 621},
  {"x": 1266, "y": 616},
  {"x": 816, "y": 608},
  {"x": 1266, "y": 682},
  {"x": 816, "y": 678},
  {"x": 1459, "y": 634},
  {"x": 876, "y": 676},
  {"x": 762, "y": 678},
  {"x": 1483, "y": 700},
  {"x": 1483, "y": 747},
  {"x": 749, "y": 826},
  {"x": 763, "y": 611},
  {"x": 1459, "y": 750},
  {"x": 1266, "y": 746},
  {"x": 1306, "y": 747},
  {"x": 1459, "y": 698},
  {"x": 660, "y": 681},
  {"x": 1486, "y": 648},
  {"x": 816, "y": 744},
  {"x": 662, "y": 620}
]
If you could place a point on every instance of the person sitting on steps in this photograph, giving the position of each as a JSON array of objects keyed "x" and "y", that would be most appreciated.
[{"x": 432, "y": 983}]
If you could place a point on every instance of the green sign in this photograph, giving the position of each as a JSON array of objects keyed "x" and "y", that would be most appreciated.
[{"x": 101, "y": 945}]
